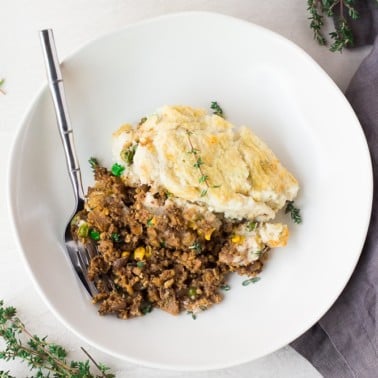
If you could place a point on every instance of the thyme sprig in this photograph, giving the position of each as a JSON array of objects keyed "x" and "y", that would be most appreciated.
[
  {"x": 203, "y": 179},
  {"x": 342, "y": 36},
  {"x": 45, "y": 358}
]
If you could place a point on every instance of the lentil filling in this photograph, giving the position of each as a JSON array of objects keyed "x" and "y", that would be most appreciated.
[{"x": 156, "y": 251}]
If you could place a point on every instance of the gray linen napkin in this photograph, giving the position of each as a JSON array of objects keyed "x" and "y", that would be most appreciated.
[{"x": 343, "y": 343}]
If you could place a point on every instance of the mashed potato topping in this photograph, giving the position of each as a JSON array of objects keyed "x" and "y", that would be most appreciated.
[{"x": 203, "y": 159}]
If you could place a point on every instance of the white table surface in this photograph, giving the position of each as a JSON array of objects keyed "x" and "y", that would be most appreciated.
[{"x": 76, "y": 22}]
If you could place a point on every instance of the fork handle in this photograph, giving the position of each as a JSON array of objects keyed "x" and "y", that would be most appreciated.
[{"x": 55, "y": 80}]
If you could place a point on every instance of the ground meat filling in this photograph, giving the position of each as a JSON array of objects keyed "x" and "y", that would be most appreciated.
[{"x": 155, "y": 252}]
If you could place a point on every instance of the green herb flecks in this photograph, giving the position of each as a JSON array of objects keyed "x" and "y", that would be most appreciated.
[
  {"x": 93, "y": 162},
  {"x": 43, "y": 358},
  {"x": 294, "y": 212},
  {"x": 203, "y": 179},
  {"x": 196, "y": 246},
  {"x": 194, "y": 316},
  {"x": 226, "y": 287},
  {"x": 150, "y": 222},
  {"x": 116, "y": 237},
  {"x": 198, "y": 164},
  {"x": 251, "y": 226},
  {"x": 192, "y": 292},
  {"x": 146, "y": 307},
  {"x": 117, "y": 169},
  {"x": 203, "y": 192},
  {"x": 127, "y": 155},
  {"x": 140, "y": 264},
  {"x": 250, "y": 280},
  {"x": 142, "y": 120},
  {"x": 217, "y": 109}
]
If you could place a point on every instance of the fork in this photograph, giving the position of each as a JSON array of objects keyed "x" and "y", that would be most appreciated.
[{"x": 79, "y": 253}]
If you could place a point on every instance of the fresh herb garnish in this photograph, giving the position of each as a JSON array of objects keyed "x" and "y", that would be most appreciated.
[
  {"x": 162, "y": 244},
  {"x": 116, "y": 237},
  {"x": 198, "y": 164},
  {"x": 94, "y": 235},
  {"x": 140, "y": 264},
  {"x": 294, "y": 212},
  {"x": 251, "y": 226},
  {"x": 117, "y": 169},
  {"x": 127, "y": 155},
  {"x": 194, "y": 316},
  {"x": 342, "y": 36},
  {"x": 192, "y": 292},
  {"x": 150, "y": 222},
  {"x": 226, "y": 287},
  {"x": 44, "y": 358},
  {"x": 146, "y": 307},
  {"x": 196, "y": 246},
  {"x": 142, "y": 120},
  {"x": 217, "y": 109},
  {"x": 250, "y": 280},
  {"x": 203, "y": 193},
  {"x": 203, "y": 178},
  {"x": 93, "y": 162}
]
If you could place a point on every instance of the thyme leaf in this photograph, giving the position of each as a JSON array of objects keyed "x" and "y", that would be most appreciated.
[
  {"x": 251, "y": 280},
  {"x": 217, "y": 109},
  {"x": 294, "y": 212}
]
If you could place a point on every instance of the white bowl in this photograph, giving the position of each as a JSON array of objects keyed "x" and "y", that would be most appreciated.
[{"x": 261, "y": 80}]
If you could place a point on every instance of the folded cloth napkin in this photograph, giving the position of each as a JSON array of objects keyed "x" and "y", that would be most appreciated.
[{"x": 343, "y": 343}]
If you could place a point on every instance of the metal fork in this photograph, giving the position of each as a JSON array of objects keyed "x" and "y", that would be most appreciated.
[{"x": 79, "y": 253}]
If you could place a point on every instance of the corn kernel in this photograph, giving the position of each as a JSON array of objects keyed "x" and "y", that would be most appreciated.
[
  {"x": 208, "y": 234},
  {"x": 139, "y": 253},
  {"x": 237, "y": 239},
  {"x": 129, "y": 289},
  {"x": 148, "y": 251},
  {"x": 125, "y": 254},
  {"x": 193, "y": 225}
]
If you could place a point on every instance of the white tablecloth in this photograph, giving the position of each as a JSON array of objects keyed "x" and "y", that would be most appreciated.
[{"x": 76, "y": 22}]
